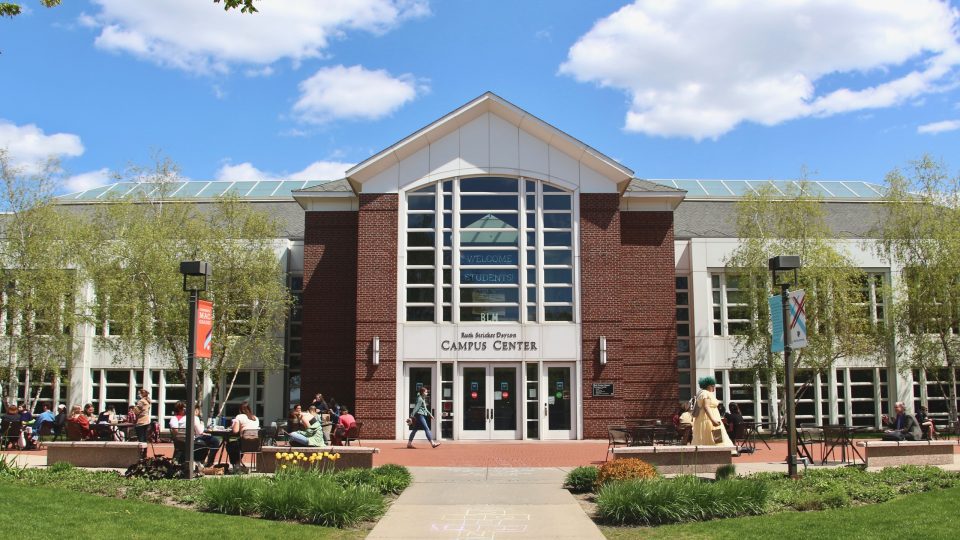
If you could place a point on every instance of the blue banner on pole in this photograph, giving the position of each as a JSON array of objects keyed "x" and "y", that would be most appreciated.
[{"x": 776, "y": 317}]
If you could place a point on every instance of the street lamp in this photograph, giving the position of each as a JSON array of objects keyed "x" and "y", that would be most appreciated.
[
  {"x": 192, "y": 269},
  {"x": 778, "y": 264}
]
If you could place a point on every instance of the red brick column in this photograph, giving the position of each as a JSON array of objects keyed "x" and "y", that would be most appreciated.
[
  {"x": 376, "y": 300},
  {"x": 329, "y": 305},
  {"x": 648, "y": 306},
  {"x": 600, "y": 312}
]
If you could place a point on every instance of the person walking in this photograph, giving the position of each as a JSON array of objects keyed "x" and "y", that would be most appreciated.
[
  {"x": 707, "y": 422},
  {"x": 418, "y": 418}
]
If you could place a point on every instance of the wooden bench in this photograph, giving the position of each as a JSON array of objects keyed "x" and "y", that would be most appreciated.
[
  {"x": 106, "y": 454},
  {"x": 350, "y": 456},
  {"x": 893, "y": 453},
  {"x": 679, "y": 459}
]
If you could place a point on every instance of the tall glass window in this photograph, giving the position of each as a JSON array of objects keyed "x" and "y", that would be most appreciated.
[{"x": 489, "y": 249}]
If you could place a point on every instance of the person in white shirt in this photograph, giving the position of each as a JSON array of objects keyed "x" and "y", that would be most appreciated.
[
  {"x": 205, "y": 445},
  {"x": 244, "y": 421}
]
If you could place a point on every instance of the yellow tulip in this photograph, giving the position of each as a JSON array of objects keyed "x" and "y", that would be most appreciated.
[
  {"x": 283, "y": 466},
  {"x": 278, "y": 455}
]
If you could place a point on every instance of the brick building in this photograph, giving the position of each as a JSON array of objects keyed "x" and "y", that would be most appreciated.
[
  {"x": 538, "y": 287},
  {"x": 521, "y": 274}
]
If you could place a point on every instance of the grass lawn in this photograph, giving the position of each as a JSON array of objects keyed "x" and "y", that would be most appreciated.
[
  {"x": 927, "y": 515},
  {"x": 59, "y": 513}
]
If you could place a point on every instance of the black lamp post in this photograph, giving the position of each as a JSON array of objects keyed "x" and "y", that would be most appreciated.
[
  {"x": 192, "y": 269},
  {"x": 777, "y": 264}
]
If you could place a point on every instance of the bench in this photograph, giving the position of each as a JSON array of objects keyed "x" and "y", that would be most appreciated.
[
  {"x": 350, "y": 456},
  {"x": 105, "y": 454},
  {"x": 679, "y": 459},
  {"x": 893, "y": 453}
]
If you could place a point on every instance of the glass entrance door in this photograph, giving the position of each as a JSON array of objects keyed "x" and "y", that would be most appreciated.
[
  {"x": 560, "y": 394},
  {"x": 490, "y": 401},
  {"x": 417, "y": 377}
]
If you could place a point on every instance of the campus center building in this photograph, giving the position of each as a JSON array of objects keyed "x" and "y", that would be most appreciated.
[{"x": 538, "y": 287}]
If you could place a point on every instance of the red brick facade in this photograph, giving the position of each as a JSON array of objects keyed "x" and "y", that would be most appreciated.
[
  {"x": 329, "y": 305},
  {"x": 376, "y": 301},
  {"x": 627, "y": 295}
]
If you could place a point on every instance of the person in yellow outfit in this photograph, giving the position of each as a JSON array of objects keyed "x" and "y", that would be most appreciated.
[{"x": 706, "y": 417}]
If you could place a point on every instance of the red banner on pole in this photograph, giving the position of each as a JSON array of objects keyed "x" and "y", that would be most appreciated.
[{"x": 204, "y": 334}]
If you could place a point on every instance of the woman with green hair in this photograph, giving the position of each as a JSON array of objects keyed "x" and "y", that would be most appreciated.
[{"x": 707, "y": 422}]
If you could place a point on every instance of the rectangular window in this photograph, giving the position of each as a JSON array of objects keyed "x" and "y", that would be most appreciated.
[
  {"x": 684, "y": 341},
  {"x": 731, "y": 310}
]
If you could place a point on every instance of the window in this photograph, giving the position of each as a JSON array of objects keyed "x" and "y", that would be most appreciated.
[
  {"x": 489, "y": 249},
  {"x": 248, "y": 386},
  {"x": 872, "y": 298},
  {"x": 684, "y": 341},
  {"x": 731, "y": 308},
  {"x": 294, "y": 335}
]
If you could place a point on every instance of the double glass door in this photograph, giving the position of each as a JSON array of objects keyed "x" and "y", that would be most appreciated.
[{"x": 490, "y": 401}]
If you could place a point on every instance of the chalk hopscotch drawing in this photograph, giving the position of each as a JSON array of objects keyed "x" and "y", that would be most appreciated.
[{"x": 488, "y": 523}]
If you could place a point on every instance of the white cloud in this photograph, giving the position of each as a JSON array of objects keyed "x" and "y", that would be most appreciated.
[
  {"x": 199, "y": 36},
  {"x": 87, "y": 180},
  {"x": 698, "y": 68},
  {"x": 28, "y": 146},
  {"x": 939, "y": 127},
  {"x": 354, "y": 93},
  {"x": 318, "y": 170}
]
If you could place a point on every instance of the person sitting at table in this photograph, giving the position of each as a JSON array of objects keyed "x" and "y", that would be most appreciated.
[
  {"x": 344, "y": 425},
  {"x": 320, "y": 403},
  {"x": 60, "y": 421},
  {"x": 242, "y": 422},
  {"x": 132, "y": 414},
  {"x": 107, "y": 415},
  {"x": 12, "y": 435},
  {"x": 205, "y": 445},
  {"x": 683, "y": 422},
  {"x": 707, "y": 421},
  {"x": 45, "y": 416},
  {"x": 90, "y": 413},
  {"x": 25, "y": 415},
  {"x": 733, "y": 420},
  {"x": 902, "y": 427},
  {"x": 80, "y": 423},
  {"x": 927, "y": 426},
  {"x": 334, "y": 410},
  {"x": 311, "y": 433}
]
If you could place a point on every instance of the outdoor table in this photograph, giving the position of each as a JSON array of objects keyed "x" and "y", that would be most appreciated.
[
  {"x": 103, "y": 429},
  {"x": 225, "y": 436},
  {"x": 650, "y": 435},
  {"x": 753, "y": 434},
  {"x": 840, "y": 435}
]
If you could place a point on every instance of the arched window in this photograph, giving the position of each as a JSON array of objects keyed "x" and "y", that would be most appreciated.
[{"x": 489, "y": 249}]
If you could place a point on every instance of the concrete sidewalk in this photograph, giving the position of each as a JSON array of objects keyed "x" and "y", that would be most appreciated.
[{"x": 461, "y": 502}]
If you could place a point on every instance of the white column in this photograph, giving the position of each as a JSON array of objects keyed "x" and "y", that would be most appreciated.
[
  {"x": 832, "y": 394},
  {"x": 700, "y": 310}
]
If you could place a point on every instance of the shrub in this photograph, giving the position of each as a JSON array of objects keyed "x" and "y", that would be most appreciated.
[
  {"x": 155, "y": 468},
  {"x": 234, "y": 495},
  {"x": 336, "y": 507},
  {"x": 726, "y": 472},
  {"x": 684, "y": 498},
  {"x": 392, "y": 479},
  {"x": 60, "y": 466},
  {"x": 355, "y": 477},
  {"x": 625, "y": 469},
  {"x": 581, "y": 479}
]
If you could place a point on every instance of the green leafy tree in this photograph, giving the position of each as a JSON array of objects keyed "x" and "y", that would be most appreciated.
[
  {"x": 12, "y": 9},
  {"x": 135, "y": 246},
  {"x": 839, "y": 322},
  {"x": 921, "y": 236},
  {"x": 41, "y": 309}
]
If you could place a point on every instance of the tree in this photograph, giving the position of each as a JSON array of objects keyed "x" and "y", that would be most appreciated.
[
  {"x": 839, "y": 322},
  {"x": 40, "y": 306},
  {"x": 134, "y": 250},
  {"x": 12, "y": 9},
  {"x": 921, "y": 235}
]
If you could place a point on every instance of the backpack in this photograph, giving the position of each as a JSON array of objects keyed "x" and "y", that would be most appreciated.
[{"x": 695, "y": 405}]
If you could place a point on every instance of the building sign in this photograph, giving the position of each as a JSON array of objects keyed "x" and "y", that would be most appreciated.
[
  {"x": 488, "y": 341},
  {"x": 204, "y": 335},
  {"x": 602, "y": 389}
]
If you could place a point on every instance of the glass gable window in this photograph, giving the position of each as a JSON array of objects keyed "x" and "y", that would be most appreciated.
[{"x": 489, "y": 249}]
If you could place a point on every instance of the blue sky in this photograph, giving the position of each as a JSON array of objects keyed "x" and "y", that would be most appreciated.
[{"x": 672, "y": 89}]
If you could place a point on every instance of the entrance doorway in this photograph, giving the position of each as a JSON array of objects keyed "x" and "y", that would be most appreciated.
[
  {"x": 417, "y": 377},
  {"x": 560, "y": 394},
  {"x": 490, "y": 401}
]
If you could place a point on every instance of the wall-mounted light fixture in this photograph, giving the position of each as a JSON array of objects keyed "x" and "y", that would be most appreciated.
[
  {"x": 376, "y": 350},
  {"x": 603, "y": 350}
]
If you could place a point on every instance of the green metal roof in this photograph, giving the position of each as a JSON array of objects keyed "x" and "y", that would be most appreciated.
[
  {"x": 849, "y": 190},
  {"x": 732, "y": 189},
  {"x": 194, "y": 190}
]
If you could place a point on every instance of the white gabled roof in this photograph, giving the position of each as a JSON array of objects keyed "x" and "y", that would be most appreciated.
[{"x": 489, "y": 102}]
